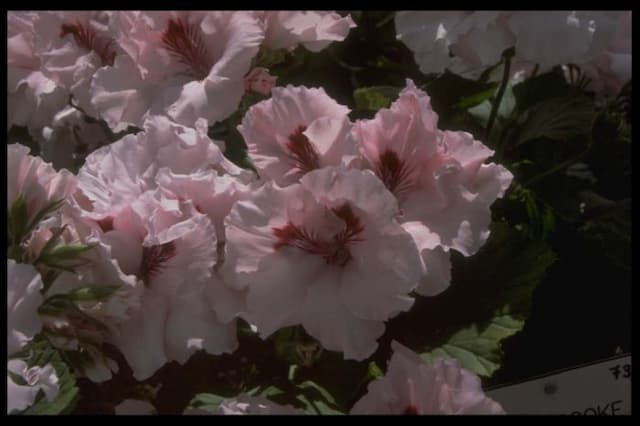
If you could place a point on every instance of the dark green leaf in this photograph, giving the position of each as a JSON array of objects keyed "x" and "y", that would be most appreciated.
[
  {"x": 540, "y": 88},
  {"x": 557, "y": 119}
]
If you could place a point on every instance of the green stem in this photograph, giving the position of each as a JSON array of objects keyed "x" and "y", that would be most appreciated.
[{"x": 503, "y": 87}]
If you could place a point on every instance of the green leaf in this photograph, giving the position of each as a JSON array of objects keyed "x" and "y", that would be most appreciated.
[
  {"x": 374, "y": 98},
  {"x": 478, "y": 346},
  {"x": 93, "y": 293},
  {"x": 316, "y": 399},
  {"x": 558, "y": 119},
  {"x": 207, "y": 401},
  {"x": 540, "y": 88},
  {"x": 42, "y": 354}
]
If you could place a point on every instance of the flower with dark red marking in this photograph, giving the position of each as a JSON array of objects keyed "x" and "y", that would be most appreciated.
[
  {"x": 296, "y": 131},
  {"x": 440, "y": 180},
  {"x": 187, "y": 65},
  {"x": 326, "y": 253}
]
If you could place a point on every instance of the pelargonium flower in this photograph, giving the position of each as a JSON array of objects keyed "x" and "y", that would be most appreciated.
[
  {"x": 609, "y": 63},
  {"x": 439, "y": 179},
  {"x": 73, "y": 45},
  {"x": 246, "y": 405},
  {"x": 296, "y": 131},
  {"x": 33, "y": 98},
  {"x": 115, "y": 175},
  {"x": 171, "y": 248},
  {"x": 551, "y": 38},
  {"x": 315, "y": 30},
  {"x": 23, "y": 299},
  {"x": 20, "y": 397},
  {"x": 326, "y": 253},
  {"x": 466, "y": 42},
  {"x": 412, "y": 386},
  {"x": 187, "y": 65}
]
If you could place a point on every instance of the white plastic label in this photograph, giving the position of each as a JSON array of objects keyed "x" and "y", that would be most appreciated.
[{"x": 597, "y": 389}]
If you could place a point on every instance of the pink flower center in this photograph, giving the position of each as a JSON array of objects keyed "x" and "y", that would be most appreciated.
[
  {"x": 87, "y": 38},
  {"x": 334, "y": 251},
  {"x": 185, "y": 43},
  {"x": 302, "y": 152},
  {"x": 395, "y": 173},
  {"x": 154, "y": 259}
]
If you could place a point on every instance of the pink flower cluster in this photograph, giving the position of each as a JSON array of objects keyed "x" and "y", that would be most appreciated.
[
  {"x": 344, "y": 223},
  {"x": 126, "y": 66}
]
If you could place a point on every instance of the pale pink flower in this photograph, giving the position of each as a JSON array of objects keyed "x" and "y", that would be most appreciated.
[
  {"x": 551, "y": 38},
  {"x": 171, "y": 247},
  {"x": 296, "y": 131},
  {"x": 36, "y": 181},
  {"x": 609, "y": 65},
  {"x": 20, "y": 397},
  {"x": 115, "y": 175},
  {"x": 412, "y": 386},
  {"x": 23, "y": 299},
  {"x": 325, "y": 253},
  {"x": 211, "y": 194},
  {"x": 32, "y": 98},
  {"x": 466, "y": 42},
  {"x": 187, "y": 65},
  {"x": 73, "y": 45},
  {"x": 439, "y": 178},
  {"x": 259, "y": 80},
  {"x": 315, "y": 30}
]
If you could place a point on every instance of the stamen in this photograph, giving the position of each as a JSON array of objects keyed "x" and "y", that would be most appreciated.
[
  {"x": 394, "y": 172},
  {"x": 154, "y": 258},
  {"x": 185, "y": 43},
  {"x": 335, "y": 251},
  {"x": 87, "y": 38},
  {"x": 302, "y": 152}
]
